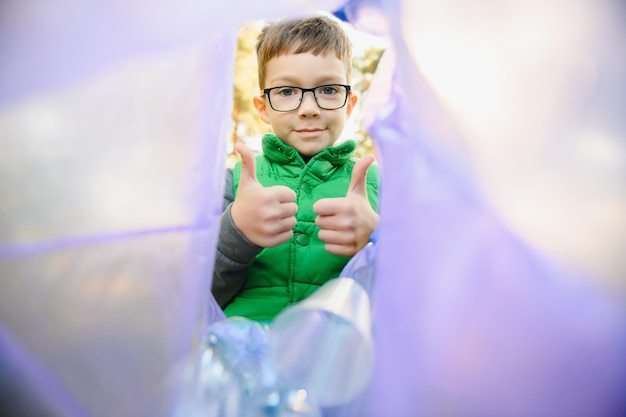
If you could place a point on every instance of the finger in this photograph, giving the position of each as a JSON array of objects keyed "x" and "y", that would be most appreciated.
[
  {"x": 359, "y": 175},
  {"x": 337, "y": 238},
  {"x": 327, "y": 206},
  {"x": 283, "y": 194},
  {"x": 341, "y": 250},
  {"x": 288, "y": 210},
  {"x": 278, "y": 226},
  {"x": 279, "y": 238},
  {"x": 281, "y": 212},
  {"x": 288, "y": 223},
  {"x": 248, "y": 163},
  {"x": 336, "y": 222}
]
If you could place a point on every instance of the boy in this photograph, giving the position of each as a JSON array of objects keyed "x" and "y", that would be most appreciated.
[{"x": 296, "y": 214}]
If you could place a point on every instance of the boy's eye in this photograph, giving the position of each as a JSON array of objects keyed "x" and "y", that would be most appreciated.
[
  {"x": 285, "y": 92},
  {"x": 327, "y": 90}
]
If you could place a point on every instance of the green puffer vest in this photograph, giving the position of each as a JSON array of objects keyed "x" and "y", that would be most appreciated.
[{"x": 288, "y": 273}]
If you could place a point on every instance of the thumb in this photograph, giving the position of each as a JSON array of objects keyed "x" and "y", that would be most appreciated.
[
  {"x": 248, "y": 163},
  {"x": 359, "y": 175}
]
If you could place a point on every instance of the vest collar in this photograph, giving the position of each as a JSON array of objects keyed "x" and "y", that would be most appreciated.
[{"x": 277, "y": 151}]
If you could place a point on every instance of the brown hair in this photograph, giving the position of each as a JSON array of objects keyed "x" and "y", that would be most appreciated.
[{"x": 317, "y": 35}]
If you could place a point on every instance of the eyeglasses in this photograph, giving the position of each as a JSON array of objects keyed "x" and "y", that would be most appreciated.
[{"x": 327, "y": 96}]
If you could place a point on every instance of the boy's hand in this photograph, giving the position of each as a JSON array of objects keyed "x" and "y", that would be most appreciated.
[
  {"x": 266, "y": 216},
  {"x": 346, "y": 223}
]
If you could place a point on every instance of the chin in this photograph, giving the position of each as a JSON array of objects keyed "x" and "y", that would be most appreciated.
[
  {"x": 308, "y": 149},
  {"x": 310, "y": 152}
]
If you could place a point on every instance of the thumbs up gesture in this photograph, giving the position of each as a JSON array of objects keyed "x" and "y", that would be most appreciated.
[
  {"x": 346, "y": 223},
  {"x": 265, "y": 216}
]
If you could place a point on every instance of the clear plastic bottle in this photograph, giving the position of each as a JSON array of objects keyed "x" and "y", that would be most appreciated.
[{"x": 323, "y": 345}]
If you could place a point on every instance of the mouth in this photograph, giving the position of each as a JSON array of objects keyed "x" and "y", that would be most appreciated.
[{"x": 310, "y": 133}]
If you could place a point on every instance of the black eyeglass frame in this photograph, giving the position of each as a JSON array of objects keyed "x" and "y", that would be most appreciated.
[{"x": 348, "y": 88}]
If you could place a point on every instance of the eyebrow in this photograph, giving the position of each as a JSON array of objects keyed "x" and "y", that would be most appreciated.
[{"x": 295, "y": 81}]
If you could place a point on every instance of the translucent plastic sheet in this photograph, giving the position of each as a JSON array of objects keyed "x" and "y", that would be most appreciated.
[
  {"x": 500, "y": 275},
  {"x": 499, "y": 280}
]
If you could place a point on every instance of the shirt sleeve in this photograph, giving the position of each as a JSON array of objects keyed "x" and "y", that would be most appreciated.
[{"x": 234, "y": 253}]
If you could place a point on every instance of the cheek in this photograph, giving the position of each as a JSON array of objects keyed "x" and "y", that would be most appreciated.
[
  {"x": 280, "y": 119},
  {"x": 339, "y": 120},
  {"x": 273, "y": 118}
]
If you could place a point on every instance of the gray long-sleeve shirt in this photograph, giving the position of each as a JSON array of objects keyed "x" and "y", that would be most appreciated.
[{"x": 234, "y": 253}]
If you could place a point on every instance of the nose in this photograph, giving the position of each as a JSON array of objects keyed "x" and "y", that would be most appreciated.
[{"x": 309, "y": 106}]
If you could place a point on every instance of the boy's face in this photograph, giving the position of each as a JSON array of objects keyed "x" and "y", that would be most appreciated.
[{"x": 309, "y": 129}]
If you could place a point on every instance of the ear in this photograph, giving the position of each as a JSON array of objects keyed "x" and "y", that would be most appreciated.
[
  {"x": 352, "y": 100},
  {"x": 261, "y": 108}
]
